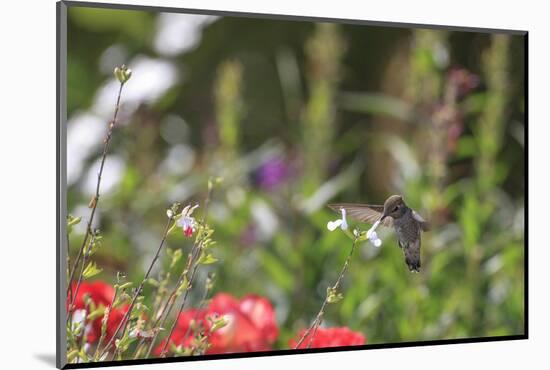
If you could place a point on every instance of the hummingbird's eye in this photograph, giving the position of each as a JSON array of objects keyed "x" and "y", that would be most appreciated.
[{"x": 396, "y": 208}]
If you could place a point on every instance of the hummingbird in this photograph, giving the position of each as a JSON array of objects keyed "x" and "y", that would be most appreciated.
[{"x": 406, "y": 222}]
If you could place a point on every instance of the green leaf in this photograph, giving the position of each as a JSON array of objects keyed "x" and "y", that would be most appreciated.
[
  {"x": 153, "y": 282},
  {"x": 125, "y": 285},
  {"x": 139, "y": 309},
  {"x": 218, "y": 324},
  {"x": 123, "y": 343},
  {"x": 183, "y": 286},
  {"x": 96, "y": 313},
  {"x": 72, "y": 221},
  {"x": 91, "y": 270},
  {"x": 72, "y": 355},
  {"x": 206, "y": 259},
  {"x": 83, "y": 356}
]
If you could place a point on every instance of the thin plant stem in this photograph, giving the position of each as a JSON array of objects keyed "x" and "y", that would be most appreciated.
[
  {"x": 190, "y": 280},
  {"x": 314, "y": 332},
  {"x": 201, "y": 305},
  {"x": 125, "y": 318},
  {"x": 319, "y": 318},
  {"x": 170, "y": 302},
  {"x": 80, "y": 277},
  {"x": 95, "y": 199},
  {"x": 70, "y": 294},
  {"x": 182, "y": 306},
  {"x": 104, "y": 324}
]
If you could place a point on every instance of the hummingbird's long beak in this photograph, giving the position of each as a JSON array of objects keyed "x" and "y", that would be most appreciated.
[{"x": 382, "y": 217}]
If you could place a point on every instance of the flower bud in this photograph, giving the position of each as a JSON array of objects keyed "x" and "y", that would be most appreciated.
[{"x": 122, "y": 73}]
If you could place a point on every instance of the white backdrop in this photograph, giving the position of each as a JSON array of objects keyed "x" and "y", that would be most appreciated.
[{"x": 27, "y": 203}]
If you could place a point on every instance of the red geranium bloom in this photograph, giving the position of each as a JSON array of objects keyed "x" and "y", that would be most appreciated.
[
  {"x": 101, "y": 294},
  {"x": 261, "y": 312},
  {"x": 251, "y": 325},
  {"x": 330, "y": 337}
]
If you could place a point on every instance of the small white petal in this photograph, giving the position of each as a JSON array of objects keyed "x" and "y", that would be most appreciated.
[
  {"x": 79, "y": 316},
  {"x": 377, "y": 243},
  {"x": 371, "y": 230},
  {"x": 372, "y": 236},
  {"x": 333, "y": 225},
  {"x": 344, "y": 225},
  {"x": 192, "y": 209}
]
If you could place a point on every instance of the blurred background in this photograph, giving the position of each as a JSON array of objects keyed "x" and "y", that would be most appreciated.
[{"x": 294, "y": 115}]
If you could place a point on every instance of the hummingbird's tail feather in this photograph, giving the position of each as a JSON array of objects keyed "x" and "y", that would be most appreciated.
[
  {"x": 412, "y": 256},
  {"x": 414, "y": 266}
]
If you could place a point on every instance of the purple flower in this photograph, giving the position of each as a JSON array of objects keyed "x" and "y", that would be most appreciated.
[{"x": 272, "y": 173}]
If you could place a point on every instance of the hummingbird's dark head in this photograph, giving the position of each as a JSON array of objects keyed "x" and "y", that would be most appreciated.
[{"x": 394, "y": 207}]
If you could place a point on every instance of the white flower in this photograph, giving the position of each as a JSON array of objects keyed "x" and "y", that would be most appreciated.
[
  {"x": 372, "y": 236},
  {"x": 79, "y": 318},
  {"x": 342, "y": 223},
  {"x": 188, "y": 224}
]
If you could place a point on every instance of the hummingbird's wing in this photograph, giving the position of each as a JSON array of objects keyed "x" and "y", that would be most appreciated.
[
  {"x": 424, "y": 225},
  {"x": 363, "y": 212}
]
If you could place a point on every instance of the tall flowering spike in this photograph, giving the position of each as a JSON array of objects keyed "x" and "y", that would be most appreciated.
[
  {"x": 122, "y": 73},
  {"x": 341, "y": 222}
]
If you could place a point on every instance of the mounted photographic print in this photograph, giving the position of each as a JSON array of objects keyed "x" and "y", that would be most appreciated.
[{"x": 235, "y": 185}]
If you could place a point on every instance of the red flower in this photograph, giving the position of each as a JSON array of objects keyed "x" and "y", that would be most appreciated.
[
  {"x": 187, "y": 223},
  {"x": 251, "y": 325},
  {"x": 101, "y": 294},
  {"x": 330, "y": 337},
  {"x": 188, "y": 232},
  {"x": 261, "y": 312}
]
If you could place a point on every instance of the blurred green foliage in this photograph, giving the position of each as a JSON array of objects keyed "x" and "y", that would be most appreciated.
[{"x": 294, "y": 115}]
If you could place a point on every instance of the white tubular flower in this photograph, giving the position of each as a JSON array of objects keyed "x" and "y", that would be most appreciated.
[
  {"x": 341, "y": 222},
  {"x": 372, "y": 236}
]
